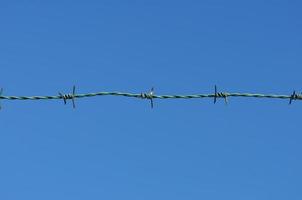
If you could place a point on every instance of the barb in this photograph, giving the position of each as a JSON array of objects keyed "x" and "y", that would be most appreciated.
[
  {"x": 294, "y": 96},
  {"x": 65, "y": 97},
  {"x": 151, "y": 96},
  {"x": 220, "y": 95},
  {"x": 1, "y": 92}
]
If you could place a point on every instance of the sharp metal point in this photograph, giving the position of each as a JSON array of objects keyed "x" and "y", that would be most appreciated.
[
  {"x": 1, "y": 92},
  {"x": 151, "y": 97},
  {"x": 292, "y": 97},
  {"x": 215, "y": 95},
  {"x": 65, "y": 97}
]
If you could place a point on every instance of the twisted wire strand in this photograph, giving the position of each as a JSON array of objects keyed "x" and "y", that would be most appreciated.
[{"x": 136, "y": 95}]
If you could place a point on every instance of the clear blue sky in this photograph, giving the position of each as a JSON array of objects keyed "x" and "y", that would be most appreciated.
[{"x": 118, "y": 148}]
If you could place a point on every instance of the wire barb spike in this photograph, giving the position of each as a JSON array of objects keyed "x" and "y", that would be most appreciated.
[
  {"x": 149, "y": 96},
  {"x": 294, "y": 96},
  {"x": 65, "y": 97},
  {"x": 1, "y": 92},
  {"x": 220, "y": 95}
]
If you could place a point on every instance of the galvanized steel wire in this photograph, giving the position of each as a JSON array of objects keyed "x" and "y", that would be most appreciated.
[{"x": 151, "y": 96}]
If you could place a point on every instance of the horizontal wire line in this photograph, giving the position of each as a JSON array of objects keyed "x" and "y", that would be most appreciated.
[{"x": 217, "y": 95}]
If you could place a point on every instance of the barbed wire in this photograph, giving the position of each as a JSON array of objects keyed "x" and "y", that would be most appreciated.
[{"x": 150, "y": 96}]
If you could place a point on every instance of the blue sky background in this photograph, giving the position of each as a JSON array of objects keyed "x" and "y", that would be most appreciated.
[{"x": 118, "y": 148}]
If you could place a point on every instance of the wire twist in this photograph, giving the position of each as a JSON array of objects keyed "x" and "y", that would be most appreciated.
[
  {"x": 65, "y": 97},
  {"x": 151, "y": 96},
  {"x": 294, "y": 96},
  {"x": 220, "y": 95}
]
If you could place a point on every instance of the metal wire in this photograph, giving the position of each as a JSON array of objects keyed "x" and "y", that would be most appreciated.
[{"x": 150, "y": 96}]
